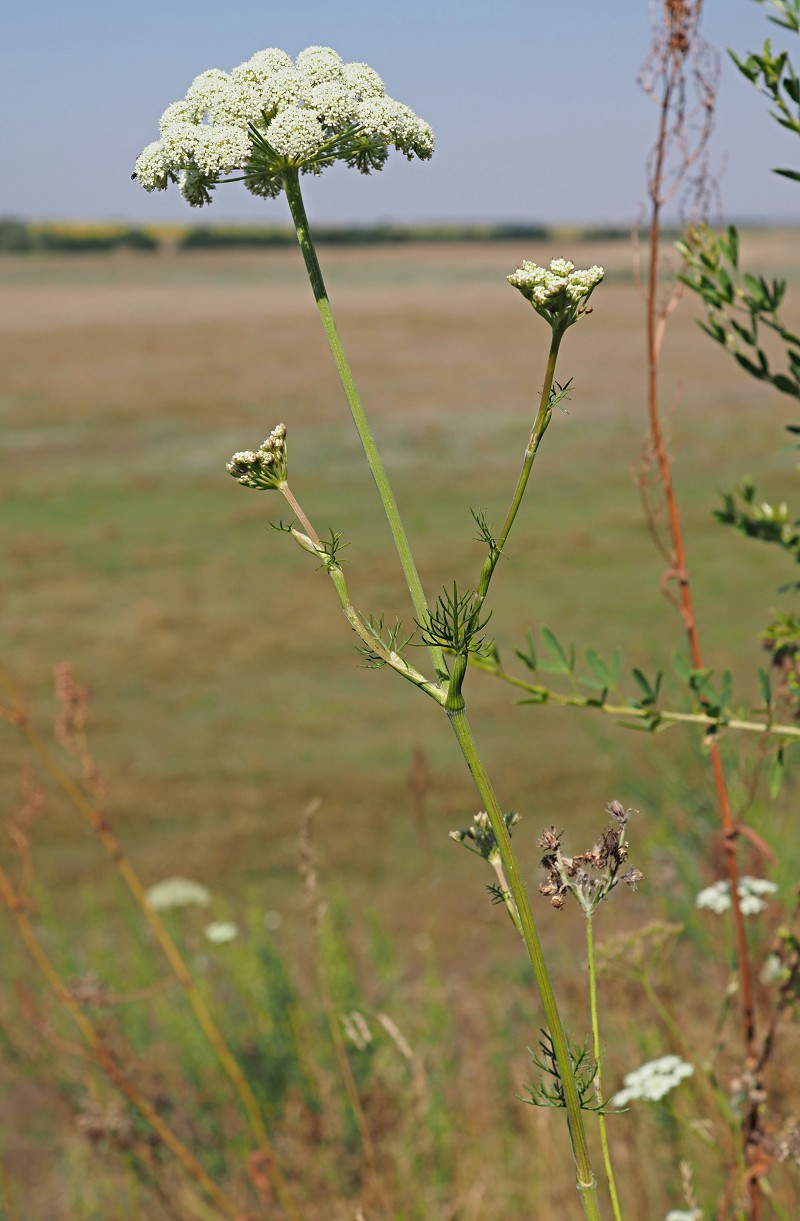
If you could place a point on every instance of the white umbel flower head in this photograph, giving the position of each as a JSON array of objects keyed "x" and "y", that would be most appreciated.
[
  {"x": 152, "y": 167},
  {"x": 363, "y": 81},
  {"x": 225, "y": 146},
  {"x": 559, "y": 294},
  {"x": 178, "y": 112},
  {"x": 270, "y": 117},
  {"x": 221, "y": 931},
  {"x": 208, "y": 92},
  {"x": 753, "y": 896},
  {"x": 652, "y": 1081},
  {"x": 178, "y": 892},
  {"x": 318, "y": 64},
  {"x": 296, "y": 135}
]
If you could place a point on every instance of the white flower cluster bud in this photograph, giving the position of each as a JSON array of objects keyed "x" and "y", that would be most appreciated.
[
  {"x": 221, "y": 931},
  {"x": 178, "y": 892},
  {"x": 753, "y": 896},
  {"x": 558, "y": 293},
  {"x": 652, "y": 1081},
  {"x": 266, "y": 467},
  {"x": 270, "y": 115},
  {"x": 543, "y": 285}
]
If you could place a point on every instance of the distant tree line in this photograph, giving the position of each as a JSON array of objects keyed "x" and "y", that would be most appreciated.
[{"x": 20, "y": 237}]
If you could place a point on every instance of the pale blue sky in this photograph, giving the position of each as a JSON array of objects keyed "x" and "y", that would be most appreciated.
[{"x": 534, "y": 104}]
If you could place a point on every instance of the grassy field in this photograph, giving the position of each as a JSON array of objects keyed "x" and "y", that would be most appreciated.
[{"x": 226, "y": 693}]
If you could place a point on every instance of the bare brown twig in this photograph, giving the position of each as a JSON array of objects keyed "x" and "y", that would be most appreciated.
[{"x": 680, "y": 77}]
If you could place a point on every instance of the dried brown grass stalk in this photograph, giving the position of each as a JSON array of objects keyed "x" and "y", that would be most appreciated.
[
  {"x": 102, "y": 1056},
  {"x": 680, "y": 76},
  {"x": 71, "y": 733},
  {"x": 316, "y": 909}
]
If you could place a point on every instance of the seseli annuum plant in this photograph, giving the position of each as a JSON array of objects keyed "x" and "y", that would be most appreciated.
[{"x": 267, "y": 123}]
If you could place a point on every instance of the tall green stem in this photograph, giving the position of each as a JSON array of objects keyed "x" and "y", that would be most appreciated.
[
  {"x": 297, "y": 208},
  {"x": 586, "y": 1182},
  {"x": 543, "y": 417},
  {"x": 596, "y": 1049}
]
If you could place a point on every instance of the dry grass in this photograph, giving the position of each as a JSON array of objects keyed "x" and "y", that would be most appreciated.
[{"x": 225, "y": 690}]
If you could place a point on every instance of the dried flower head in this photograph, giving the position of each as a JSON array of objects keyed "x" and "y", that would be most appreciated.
[
  {"x": 559, "y": 294},
  {"x": 480, "y": 837},
  {"x": 270, "y": 115},
  {"x": 589, "y": 876}
]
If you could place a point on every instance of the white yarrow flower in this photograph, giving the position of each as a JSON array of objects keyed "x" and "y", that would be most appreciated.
[
  {"x": 684, "y": 1214},
  {"x": 753, "y": 896},
  {"x": 221, "y": 931},
  {"x": 178, "y": 892},
  {"x": 652, "y": 1081}
]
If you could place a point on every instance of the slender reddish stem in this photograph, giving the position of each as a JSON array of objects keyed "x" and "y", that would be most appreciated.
[{"x": 656, "y": 319}]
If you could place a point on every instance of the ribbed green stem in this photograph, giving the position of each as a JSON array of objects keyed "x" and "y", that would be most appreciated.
[
  {"x": 311, "y": 541},
  {"x": 292, "y": 184},
  {"x": 586, "y": 1182},
  {"x": 665, "y": 716},
  {"x": 543, "y": 417},
  {"x": 596, "y": 1050}
]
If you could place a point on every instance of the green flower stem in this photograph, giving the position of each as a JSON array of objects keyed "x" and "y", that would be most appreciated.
[
  {"x": 292, "y": 185},
  {"x": 312, "y": 542},
  {"x": 543, "y": 417},
  {"x": 511, "y": 907},
  {"x": 288, "y": 496},
  {"x": 455, "y": 700},
  {"x": 598, "y": 1081},
  {"x": 666, "y": 717},
  {"x": 587, "y": 1185}
]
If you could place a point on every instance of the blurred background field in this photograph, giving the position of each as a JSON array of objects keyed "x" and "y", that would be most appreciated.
[{"x": 225, "y": 690}]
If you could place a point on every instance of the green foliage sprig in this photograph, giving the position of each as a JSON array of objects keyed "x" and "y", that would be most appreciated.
[
  {"x": 738, "y": 304},
  {"x": 775, "y": 75},
  {"x": 552, "y": 1095}
]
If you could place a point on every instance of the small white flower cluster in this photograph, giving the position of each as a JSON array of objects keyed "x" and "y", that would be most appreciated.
[
  {"x": 178, "y": 892},
  {"x": 753, "y": 896},
  {"x": 652, "y": 1081},
  {"x": 221, "y": 931},
  {"x": 266, "y": 467},
  {"x": 558, "y": 292},
  {"x": 271, "y": 114},
  {"x": 684, "y": 1214}
]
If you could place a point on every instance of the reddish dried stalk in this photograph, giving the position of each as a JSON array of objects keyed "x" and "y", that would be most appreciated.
[
  {"x": 71, "y": 732},
  {"x": 664, "y": 79},
  {"x": 103, "y": 1056}
]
